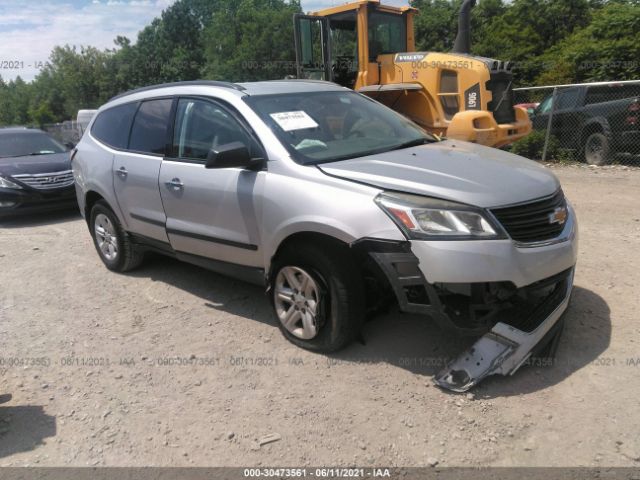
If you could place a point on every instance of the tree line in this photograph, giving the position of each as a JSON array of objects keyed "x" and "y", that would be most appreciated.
[{"x": 550, "y": 42}]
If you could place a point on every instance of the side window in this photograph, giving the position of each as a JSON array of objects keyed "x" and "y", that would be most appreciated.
[
  {"x": 545, "y": 106},
  {"x": 595, "y": 95},
  {"x": 609, "y": 93},
  {"x": 449, "y": 93},
  {"x": 113, "y": 125},
  {"x": 149, "y": 132},
  {"x": 201, "y": 126},
  {"x": 568, "y": 99},
  {"x": 387, "y": 34}
]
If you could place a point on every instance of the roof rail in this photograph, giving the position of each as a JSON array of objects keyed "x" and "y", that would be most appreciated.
[{"x": 205, "y": 83}]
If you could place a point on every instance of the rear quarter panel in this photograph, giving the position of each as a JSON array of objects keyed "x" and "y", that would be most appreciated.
[{"x": 93, "y": 172}]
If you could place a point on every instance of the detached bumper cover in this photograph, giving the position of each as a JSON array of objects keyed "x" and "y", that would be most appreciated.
[{"x": 505, "y": 348}]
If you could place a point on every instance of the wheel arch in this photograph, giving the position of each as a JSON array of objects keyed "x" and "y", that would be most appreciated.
[
  {"x": 595, "y": 125},
  {"x": 90, "y": 199},
  {"x": 316, "y": 237}
]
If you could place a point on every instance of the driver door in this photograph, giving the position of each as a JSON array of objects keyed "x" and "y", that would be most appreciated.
[{"x": 211, "y": 213}]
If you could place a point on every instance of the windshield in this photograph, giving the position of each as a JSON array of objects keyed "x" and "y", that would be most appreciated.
[
  {"x": 26, "y": 143},
  {"x": 322, "y": 127}
]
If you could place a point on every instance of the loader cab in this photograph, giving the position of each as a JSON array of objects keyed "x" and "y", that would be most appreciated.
[{"x": 345, "y": 44}]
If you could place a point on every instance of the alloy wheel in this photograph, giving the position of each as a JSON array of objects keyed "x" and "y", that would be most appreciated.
[
  {"x": 106, "y": 237},
  {"x": 297, "y": 299}
]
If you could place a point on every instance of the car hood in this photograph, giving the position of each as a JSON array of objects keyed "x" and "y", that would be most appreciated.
[
  {"x": 453, "y": 170},
  {"x": 55, "y": 162}
]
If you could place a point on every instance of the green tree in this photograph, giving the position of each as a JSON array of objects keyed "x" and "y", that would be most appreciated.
[
  {"x": 605, "y": 49},
  {"x": 15, "y": 102},
  {"x": 527, "y": 28},
  {"x": 41, "y": 114},
  {"x": 251, "y": 40},
  {"x": 436, "y": 24},
  {"x": 71, "y": 80},
  {"x": 171, "y": 48}
]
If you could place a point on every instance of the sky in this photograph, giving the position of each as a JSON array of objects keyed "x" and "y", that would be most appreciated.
[{"x": 30, "y": 29}]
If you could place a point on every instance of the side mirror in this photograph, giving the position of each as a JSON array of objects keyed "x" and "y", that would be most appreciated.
[{"x": 231, "y": 155}]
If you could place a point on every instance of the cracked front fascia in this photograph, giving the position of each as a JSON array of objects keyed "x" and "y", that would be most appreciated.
[{"x": 501, "y": 351}]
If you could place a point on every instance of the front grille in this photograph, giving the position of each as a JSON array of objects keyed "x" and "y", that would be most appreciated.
[
  {"x": 532, "y": 222},
  {"x": 46, "y": 181}
]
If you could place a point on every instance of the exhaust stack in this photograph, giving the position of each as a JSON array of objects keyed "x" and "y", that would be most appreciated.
[{"x": 463, "y": 39}]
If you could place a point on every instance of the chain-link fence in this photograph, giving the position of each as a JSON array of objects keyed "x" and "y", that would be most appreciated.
[
  {"x": 68, "y": 132},
  {"x": 597, "y": 123}
]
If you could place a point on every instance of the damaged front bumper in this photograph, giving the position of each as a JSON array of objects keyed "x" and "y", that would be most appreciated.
[
  {"x": 511, "y": 297},
  {"x": 505, "y": 348}
]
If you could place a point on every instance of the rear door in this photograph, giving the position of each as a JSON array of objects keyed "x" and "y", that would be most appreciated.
[
  {"x": 136, "y": 171},
  {"x": 212, "y": 213},
  {"x": 566, "y": 113},
  {"x": 568, "y": 117}
]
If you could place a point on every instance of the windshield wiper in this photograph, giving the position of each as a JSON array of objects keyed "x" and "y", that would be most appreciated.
[{"x": 412, "y": 143}]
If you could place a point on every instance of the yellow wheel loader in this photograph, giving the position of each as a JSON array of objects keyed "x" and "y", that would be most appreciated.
[{"x": 370, "y": 47}]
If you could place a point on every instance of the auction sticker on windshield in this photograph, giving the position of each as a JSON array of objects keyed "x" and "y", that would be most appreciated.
[{"x": 297, "y": 120}]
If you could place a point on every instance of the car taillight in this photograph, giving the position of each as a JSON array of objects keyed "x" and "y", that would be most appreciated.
[{"x": 633, "y": 111}]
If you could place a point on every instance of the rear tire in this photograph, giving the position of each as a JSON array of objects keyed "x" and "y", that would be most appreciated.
[
  {"x": 597, "y": 149},
  {"x": 112, "y": 242},
  {"x": 318, "y": 296}
]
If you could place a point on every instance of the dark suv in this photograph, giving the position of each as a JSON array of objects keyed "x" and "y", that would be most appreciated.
[
  {"x": 598, "y": 121},
  {"x": 35, "y": 172}
]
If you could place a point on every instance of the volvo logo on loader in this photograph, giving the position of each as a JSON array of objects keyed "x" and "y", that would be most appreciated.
[{"x": 409, "y": 57}]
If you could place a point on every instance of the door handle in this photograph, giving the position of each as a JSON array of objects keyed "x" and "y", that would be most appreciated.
[
  {"x": 175, "y": 184},
  {"x": 122, "y": 172}
]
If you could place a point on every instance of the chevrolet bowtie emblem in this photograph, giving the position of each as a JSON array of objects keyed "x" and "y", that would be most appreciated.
[{"x": 559, "y": 215}]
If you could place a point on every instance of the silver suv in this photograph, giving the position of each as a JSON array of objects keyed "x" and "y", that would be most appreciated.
[{"x": 337, "y": 205}]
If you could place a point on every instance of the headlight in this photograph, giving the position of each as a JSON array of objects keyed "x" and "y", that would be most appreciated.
[
  {"x": 6, "y": 183},
  {"x": 434, "y": 219}
]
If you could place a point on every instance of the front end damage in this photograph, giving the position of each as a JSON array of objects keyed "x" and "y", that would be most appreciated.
[
  {"x": 526, "y": 321},
  {"x": 512, "y": 322}
]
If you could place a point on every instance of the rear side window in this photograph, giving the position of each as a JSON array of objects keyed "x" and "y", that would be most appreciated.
[
  {"x": 568, "y": 99},
  {"x": 113, "y": 125},
  {"x": 610, "y": 93},
  {"x": 149, "y": 132}
]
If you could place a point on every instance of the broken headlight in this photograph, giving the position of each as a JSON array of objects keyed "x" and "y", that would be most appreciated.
[{"x": 427, "y": 218}]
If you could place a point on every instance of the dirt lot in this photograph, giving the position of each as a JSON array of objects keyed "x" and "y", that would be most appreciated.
[{"x": 176, "y": 366}]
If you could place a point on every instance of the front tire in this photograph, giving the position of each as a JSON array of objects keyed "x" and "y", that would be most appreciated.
[
  {"x": 112, "y": 242},
  {"x": 597, "y": 149},
  {"x": 318, "y": 296}
]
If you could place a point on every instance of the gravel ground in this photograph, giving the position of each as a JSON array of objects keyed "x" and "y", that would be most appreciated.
[{"x": 176, "y": 366}]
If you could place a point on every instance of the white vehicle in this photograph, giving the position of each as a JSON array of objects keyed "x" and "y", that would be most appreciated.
[{"x": 83, "y": 119}]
